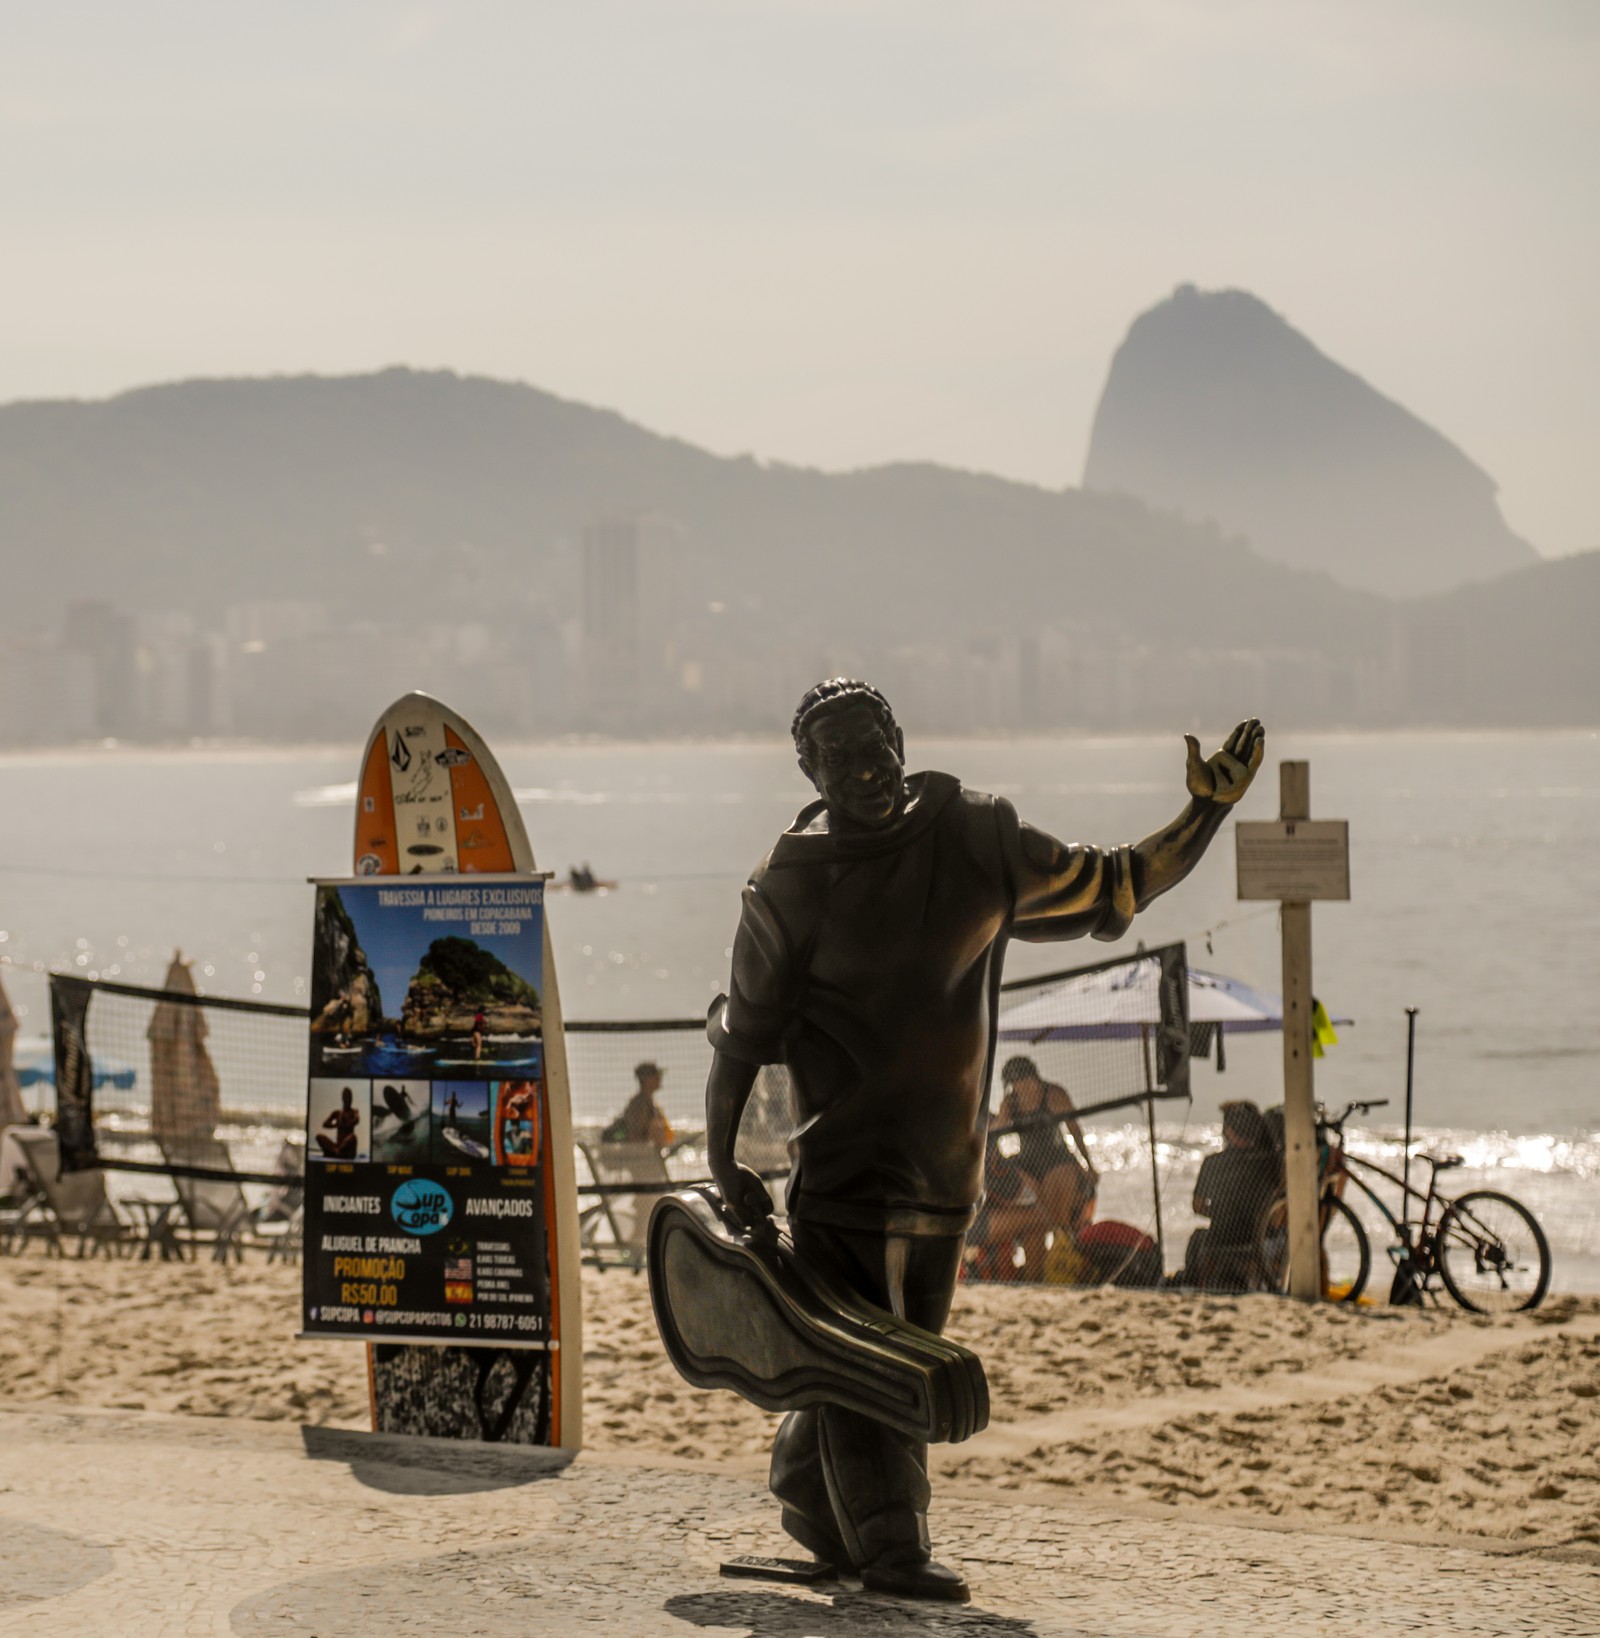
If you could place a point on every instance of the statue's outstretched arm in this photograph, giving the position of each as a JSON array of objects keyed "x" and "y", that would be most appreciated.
[{"x": 1215, "y": 783}]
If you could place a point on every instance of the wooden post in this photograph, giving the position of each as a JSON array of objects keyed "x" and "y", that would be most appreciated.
[{"x": 1301, "y": 1182}]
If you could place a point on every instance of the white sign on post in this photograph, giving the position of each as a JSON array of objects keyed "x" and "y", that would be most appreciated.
[{"x": 1294, "y": 859}]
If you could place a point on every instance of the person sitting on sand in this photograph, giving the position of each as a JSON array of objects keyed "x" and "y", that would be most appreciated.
[
  {"x": 1006, "y": 1210},
  {"x": 343, "y": 1122},
  {"x": 1234, "y": 1188},
  {"x": 1062, "y": 1186},
  {"x": 642, "y": 1120}
]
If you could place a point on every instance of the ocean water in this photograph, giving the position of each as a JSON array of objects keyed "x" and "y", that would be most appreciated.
[{"x": 1475, "y": 864}]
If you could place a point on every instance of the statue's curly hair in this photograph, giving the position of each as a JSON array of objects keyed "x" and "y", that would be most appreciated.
[{"x": 827, "y": 695}]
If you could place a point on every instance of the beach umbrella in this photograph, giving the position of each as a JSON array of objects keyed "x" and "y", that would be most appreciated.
[
  {"x": 1122, "y": 1002},
  {"x": 12, "y": 1112},
  {"x": 185, "y": 1090}
]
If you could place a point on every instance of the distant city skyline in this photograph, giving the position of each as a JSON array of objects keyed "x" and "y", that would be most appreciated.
[{"x": 827, "y": 234}]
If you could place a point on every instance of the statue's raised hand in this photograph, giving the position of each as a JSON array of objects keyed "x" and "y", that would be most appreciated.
[{"x": 1225, "y": 775}]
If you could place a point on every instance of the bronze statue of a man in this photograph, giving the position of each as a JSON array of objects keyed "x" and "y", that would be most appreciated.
[{"x": 868, "y": 959}]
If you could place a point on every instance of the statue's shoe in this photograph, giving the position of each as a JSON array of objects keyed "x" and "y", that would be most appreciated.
[{"x": 915, "y": 1578}]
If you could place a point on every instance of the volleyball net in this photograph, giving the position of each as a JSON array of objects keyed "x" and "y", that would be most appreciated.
[{"x": 1091, "y": 1174}]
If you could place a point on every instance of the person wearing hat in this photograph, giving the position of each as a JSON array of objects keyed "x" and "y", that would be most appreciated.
[
  {"x": 642, "y": 1120},
  {"x": 1037, "y": 1110}
]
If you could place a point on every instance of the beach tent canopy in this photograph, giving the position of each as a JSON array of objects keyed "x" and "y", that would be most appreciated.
[
  {"x": 36, "y": 1065},
  {"x": 1122, "y": 1002}
]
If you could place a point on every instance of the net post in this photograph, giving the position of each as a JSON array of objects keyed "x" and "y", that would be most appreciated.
[
  {"x": 1172, "y": 1059},
  {"x": 1299, "y": 1098},
  {"x": 1150, "y": 1126}
]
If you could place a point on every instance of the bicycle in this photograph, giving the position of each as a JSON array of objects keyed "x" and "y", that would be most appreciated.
[{"x": 1486, "y": 1248}]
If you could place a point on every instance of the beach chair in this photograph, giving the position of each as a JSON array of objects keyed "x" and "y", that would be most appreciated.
[
  {"x": 58, "y": 1207},
  {"x": 279, "y": 1221},
  {"x": 612, "y": 1225},
  {"x": 284, "y": 1243},
  {"x": 218, "y": 1211},
  {"x": 215, "y": 1211},
  {"x": 17, "y": 1193}
]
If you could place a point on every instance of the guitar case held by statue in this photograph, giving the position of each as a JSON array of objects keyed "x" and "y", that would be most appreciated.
[{"x": 738, "y": 1310}]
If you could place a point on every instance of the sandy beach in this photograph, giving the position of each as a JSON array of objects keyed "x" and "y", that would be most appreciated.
[{"x": 1433, "y": 1420}]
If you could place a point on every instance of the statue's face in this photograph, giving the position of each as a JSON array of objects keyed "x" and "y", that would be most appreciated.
[{"x": 858, "y": 770}]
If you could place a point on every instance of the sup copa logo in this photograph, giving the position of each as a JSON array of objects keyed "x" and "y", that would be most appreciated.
[{"x": 421, "y": 1207}]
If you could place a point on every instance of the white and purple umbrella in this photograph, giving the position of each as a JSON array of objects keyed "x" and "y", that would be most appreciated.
[{"x": 1123, "y": 1002}]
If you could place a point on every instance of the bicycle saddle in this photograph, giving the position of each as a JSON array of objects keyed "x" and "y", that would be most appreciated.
[{"x": 1443, "y": 1163}]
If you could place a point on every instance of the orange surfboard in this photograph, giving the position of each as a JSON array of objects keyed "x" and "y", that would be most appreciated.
[{"x": 432, "y": 800}]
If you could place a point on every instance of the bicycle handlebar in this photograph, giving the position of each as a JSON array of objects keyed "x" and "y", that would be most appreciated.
[{"x": 1337, "y": 1123}]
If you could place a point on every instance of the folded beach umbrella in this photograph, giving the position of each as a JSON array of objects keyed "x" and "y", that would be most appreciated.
[
  {"x": 1122, "y": 1002},
  {"x": 185, "y": 1090}
]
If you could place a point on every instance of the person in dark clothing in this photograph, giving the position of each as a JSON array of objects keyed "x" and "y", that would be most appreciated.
[
  {"x": 1233, "y": 1190},
  {"x": 868, "y": 959}
]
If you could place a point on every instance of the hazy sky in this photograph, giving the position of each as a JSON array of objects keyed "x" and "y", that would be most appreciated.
[{"x": 828, "y": 231}]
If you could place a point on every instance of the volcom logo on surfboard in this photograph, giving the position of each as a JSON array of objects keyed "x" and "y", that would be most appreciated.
[{"x": 401, "y": 755}]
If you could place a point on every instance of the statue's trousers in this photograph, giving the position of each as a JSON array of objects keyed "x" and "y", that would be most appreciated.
[{"x": 853, "y": 1489}]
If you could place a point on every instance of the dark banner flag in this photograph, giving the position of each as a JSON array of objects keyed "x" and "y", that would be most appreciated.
[
  {"x": 427, "y": 1126},
  {"x": 69, "y": 1023},
  {"x": 1172, "y": 1038}
]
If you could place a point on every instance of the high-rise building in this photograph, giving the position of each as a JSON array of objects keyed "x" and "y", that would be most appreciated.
[{"x": 633, "y": 593}]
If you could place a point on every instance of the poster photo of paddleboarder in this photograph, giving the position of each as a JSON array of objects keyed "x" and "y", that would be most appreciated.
[
  {"x": 338, "y": 1120},
  {"x": 461, "y": 1121},
  {"x": 437, "y": 979}
]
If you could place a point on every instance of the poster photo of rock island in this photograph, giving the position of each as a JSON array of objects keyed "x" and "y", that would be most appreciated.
[{"x": 437, "y": 981}]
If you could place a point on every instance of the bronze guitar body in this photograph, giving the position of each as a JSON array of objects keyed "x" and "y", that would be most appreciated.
[{"x": 739, "y": 1311}]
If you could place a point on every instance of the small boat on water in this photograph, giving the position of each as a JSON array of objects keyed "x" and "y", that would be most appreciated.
[{"x": 581, "y": 879}]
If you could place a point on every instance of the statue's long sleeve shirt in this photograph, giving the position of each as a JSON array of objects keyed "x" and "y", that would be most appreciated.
[{"x": 870, "y": 964}]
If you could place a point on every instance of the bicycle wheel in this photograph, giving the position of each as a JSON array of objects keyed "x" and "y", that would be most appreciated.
[
  {"x": 1346, "y": 1252},
  {"x": 1492, "y": 1254}
]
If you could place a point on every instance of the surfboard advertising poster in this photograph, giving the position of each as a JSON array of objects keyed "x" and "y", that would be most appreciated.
[
  {"x": 441, "y": 1202},
  {"x": 425, "y": 1001}
]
